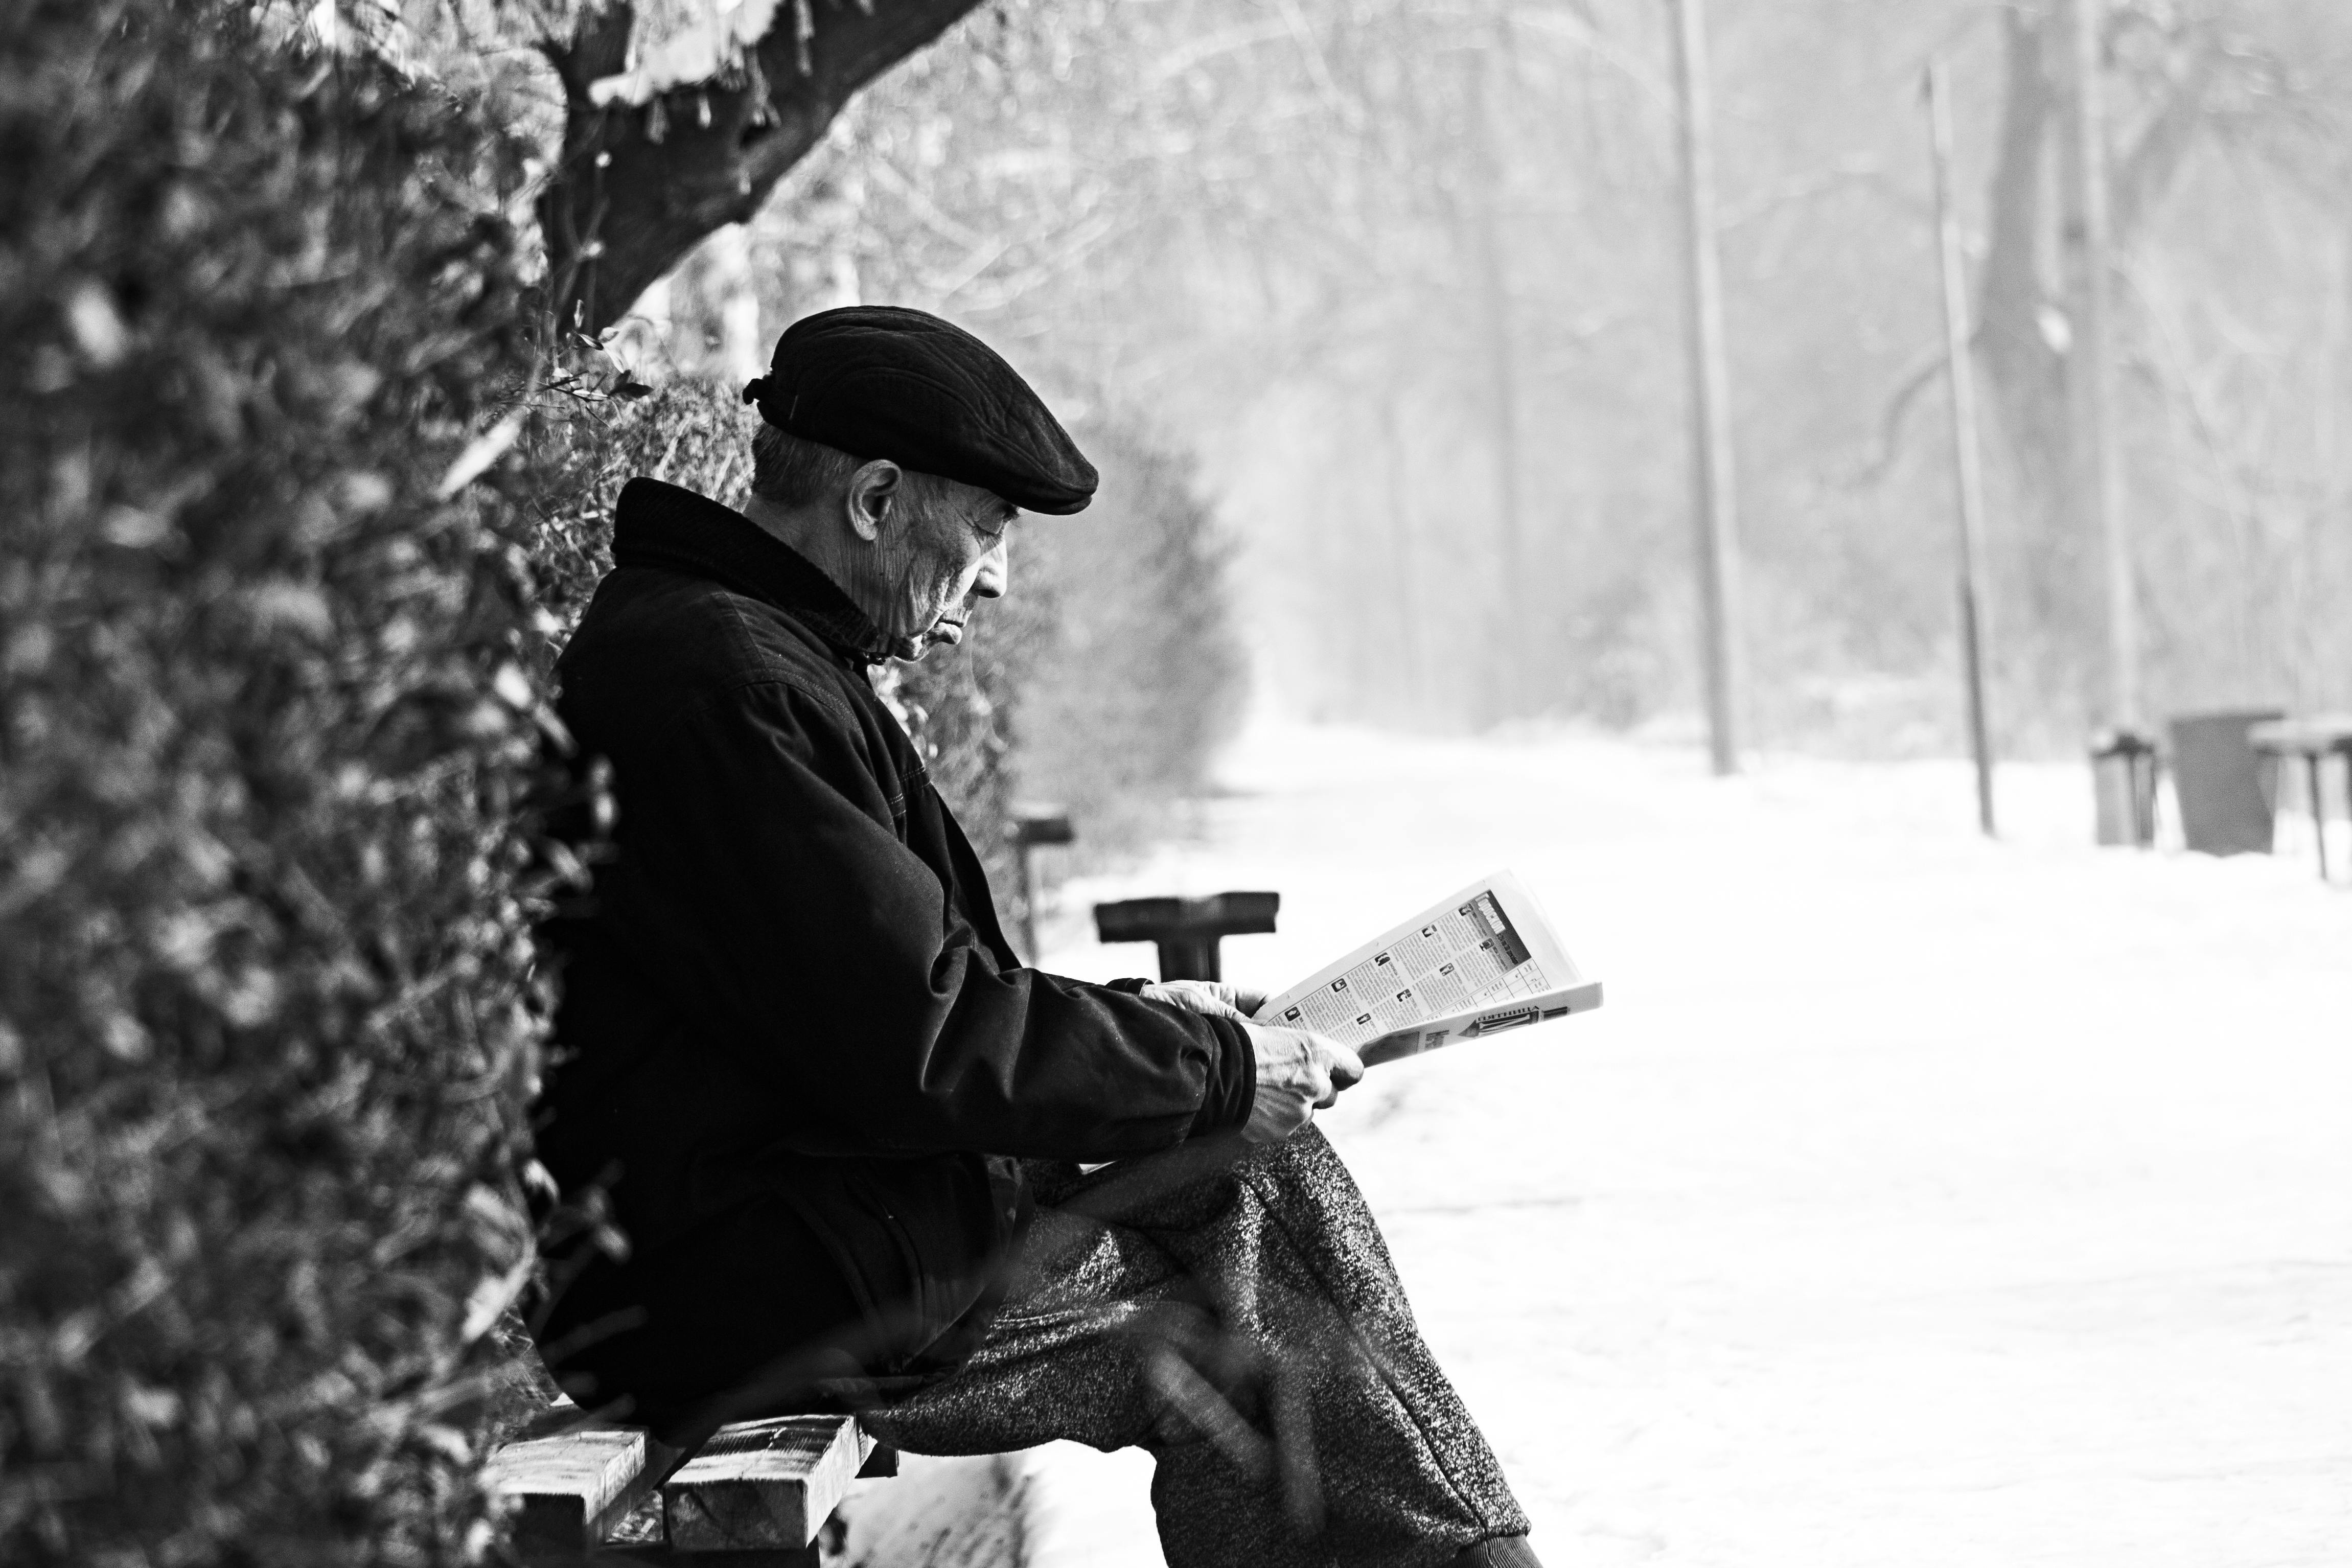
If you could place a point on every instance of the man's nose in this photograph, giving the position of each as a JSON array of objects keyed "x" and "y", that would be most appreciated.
[{"x": 995, "y": 571}]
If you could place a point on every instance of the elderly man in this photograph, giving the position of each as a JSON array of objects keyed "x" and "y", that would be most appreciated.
[{"x": 846, "y": 1133}]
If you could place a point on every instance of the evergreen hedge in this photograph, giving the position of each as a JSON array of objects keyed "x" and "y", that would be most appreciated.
[
  {"x": 1138, "y": 676},
  {"x": 266, "y": 726}
]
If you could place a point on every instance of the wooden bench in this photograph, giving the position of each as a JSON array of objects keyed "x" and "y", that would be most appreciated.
[
  {"x": 2313, "y": 740},
  {"x": 1188, "y": 930},
  {"x": 760, "y": 1492}
]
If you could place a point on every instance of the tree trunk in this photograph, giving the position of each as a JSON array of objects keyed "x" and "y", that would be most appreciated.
[
  {"x": 640, "y": 185},
  {"x": 2019, "y": 336},
  {"x": 2026, "y": 330}
]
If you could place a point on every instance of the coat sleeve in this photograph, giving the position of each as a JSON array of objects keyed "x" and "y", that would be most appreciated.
[{"x": 758, "y": 866}]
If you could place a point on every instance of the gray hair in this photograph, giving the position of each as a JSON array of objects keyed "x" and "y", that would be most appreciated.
[{"x": 790, "y": 471}]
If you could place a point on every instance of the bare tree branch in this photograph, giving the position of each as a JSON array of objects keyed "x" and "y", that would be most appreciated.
[
  {"x": 1923, "y": 374},
  {"x": 639, "y": 184}
]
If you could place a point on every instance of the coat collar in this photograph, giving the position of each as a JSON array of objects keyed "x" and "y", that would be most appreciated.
[{"x": 659, "y": 524}]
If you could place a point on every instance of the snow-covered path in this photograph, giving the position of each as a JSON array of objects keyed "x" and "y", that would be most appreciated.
[{"x": 1912, "y": 1201}]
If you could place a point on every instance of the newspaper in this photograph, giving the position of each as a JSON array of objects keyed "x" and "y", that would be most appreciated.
[{"x": 1481, "y": 961}]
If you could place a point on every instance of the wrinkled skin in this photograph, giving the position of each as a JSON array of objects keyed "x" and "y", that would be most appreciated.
[
  {"x": 940, "y": 547},
  {"x": 916, "y": 552}
]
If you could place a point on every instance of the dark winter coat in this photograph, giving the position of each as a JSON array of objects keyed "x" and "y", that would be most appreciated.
[{"x": 792, "y": 1027}]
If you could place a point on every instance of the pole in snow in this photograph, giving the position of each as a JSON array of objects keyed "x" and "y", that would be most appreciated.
[
  {"x": 1967, "y": 457},
  {"x": 1711, "y": 458}
]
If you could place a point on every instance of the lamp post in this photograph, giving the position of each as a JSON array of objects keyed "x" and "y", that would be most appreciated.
[{"x": 1967, "y": 457}]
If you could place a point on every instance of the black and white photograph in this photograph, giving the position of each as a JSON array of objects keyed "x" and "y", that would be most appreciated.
[{"x": 1176, "y": 784}]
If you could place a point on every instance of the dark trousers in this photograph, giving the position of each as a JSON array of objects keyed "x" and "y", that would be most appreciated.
[{"x": 1236, "y": 1314}]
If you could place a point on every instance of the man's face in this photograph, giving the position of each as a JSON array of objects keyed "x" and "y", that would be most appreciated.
[{"x": 944, "y": 547}]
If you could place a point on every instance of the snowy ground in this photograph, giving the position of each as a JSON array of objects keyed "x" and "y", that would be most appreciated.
[{"x": 1913, "y": 1200}]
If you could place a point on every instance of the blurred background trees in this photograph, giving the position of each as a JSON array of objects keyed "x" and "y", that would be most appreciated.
[{"x": 1402, "y": 281}]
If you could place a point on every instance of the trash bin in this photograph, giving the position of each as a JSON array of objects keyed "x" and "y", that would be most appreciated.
[
  {"x": 2124, "y": 767},
  {"x": 2227, "y": 790}
]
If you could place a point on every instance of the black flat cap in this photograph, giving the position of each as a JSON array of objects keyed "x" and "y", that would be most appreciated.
[{"x": 880, "y": 381}]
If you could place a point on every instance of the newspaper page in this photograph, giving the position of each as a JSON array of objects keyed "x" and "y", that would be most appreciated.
[{"x": 1483, "y": 961}]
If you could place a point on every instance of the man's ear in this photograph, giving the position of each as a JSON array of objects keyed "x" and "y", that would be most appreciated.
[{"x": 873, "y": 490}]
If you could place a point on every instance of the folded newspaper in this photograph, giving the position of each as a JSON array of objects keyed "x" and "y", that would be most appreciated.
[{"x": 1483, "y": 961}]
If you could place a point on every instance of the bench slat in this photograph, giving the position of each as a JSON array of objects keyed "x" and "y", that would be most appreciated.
[
  {"x": 569, "y": 1480},
  {"x": 568, "y": 1489},
  {"x": 763, "y": 1484}
]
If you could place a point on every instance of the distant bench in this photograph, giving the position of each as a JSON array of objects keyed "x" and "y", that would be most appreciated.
[
  {"x": 2312, "y": 742},
  {"x": 577, "y": 1487}
]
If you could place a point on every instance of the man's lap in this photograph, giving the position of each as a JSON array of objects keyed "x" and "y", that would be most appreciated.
[
  {"x": 1063, "y": 1357},
  {"x": 1091, "y": 1297},
  {"x": 1240, "y": 1319}
]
